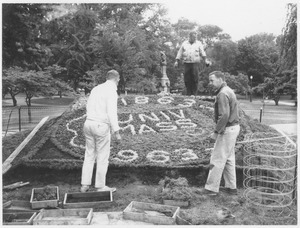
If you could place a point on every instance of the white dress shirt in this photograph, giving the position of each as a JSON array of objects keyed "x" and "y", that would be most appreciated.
[{"x": 102, "y": 105}]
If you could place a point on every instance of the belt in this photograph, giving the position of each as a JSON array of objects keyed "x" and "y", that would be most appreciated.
[{"x": 98, "y": 121}]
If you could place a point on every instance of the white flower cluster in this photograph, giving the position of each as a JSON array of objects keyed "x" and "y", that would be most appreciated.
[{"x": 124, "y": 157}]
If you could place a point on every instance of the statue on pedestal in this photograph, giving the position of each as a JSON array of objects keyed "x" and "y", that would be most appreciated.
[{"x": 165, "y": 82}]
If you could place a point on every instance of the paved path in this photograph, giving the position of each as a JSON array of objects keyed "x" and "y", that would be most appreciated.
[{"x": 289, "y": 129}]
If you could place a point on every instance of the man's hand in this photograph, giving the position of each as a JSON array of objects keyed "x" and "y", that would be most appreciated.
[
  {"x": 118, "y": 136},
  {"x": 213, "y": 137},
  {"x": 207, "y": 62},
  {"x": 176, "y": 64}
]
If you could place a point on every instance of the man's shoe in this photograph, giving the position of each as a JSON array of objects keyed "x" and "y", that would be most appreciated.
[
  {"x": 84, "y": 188},
  {"x": 106, "y": 188},
  {"x": 209, "y": 193},
  {"x": 230, "y": 191}
]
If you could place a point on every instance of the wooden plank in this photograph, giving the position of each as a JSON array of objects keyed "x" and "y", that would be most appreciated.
[
  {"x": 139, "y": 211},
  {"x": 15, "y": 185},
  {"x": 7, "y": 163}
]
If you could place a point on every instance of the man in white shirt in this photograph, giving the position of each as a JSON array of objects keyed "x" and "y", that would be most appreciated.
[
  {"x": 191, "y": 52},
  {"x": 101, "y": 121}
]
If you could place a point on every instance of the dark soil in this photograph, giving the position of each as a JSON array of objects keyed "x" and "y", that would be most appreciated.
[{"x": 142, "y": 185}]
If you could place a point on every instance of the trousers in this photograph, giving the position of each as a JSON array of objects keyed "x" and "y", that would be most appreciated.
[
  {"x": 97, "y": 148},
  {"x": 222, "y": 161},
  {"x": 191, "y": 78}
]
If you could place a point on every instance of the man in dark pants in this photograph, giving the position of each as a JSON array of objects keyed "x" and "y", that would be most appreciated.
[{"x": 191, "y": 52}]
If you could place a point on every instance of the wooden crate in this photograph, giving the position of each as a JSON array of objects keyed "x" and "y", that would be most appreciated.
[
  {"x": 80, "y": 216},
  {"x": 151, "y": 213},
  {"x": 17, "y": 206},
  {"x": 88, "y": 199},
  {"x": 44, "y": 203},
  {"x": 18, "y": 218}
]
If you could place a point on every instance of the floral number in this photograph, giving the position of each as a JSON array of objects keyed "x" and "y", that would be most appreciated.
[
  {"x": 165, "y": 100},
  {"x": 158, "y": 156},
  {"x": 141, "y": 100},
  {"x": 126, "y": 156},
  {"x": 186, "y": 154}
]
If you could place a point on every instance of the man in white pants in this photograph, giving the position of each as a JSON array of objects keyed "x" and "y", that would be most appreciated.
[
  {"x": 102, "y": 119},
  {"x": 227, "y": 129}
]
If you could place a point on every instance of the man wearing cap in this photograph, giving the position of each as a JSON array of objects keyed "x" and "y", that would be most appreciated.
[
  {"x": 191, "y": 53},
  {"x": 101, "y": 121}
]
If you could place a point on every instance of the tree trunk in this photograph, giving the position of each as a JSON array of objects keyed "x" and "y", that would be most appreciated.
[
  {"x": 14, "y": 100},
  {"x": 13, "y": 97},
  {"x": 276, "y": 99}
]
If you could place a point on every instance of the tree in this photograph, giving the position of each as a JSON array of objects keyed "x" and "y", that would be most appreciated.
[
  {"x": 285, "y": 77},
  {"x": 9, "y": 85},
  {"x": 258, "y": 56},
  {"x": 22, "y": 44},
  {"x": 210, "y": 34},
  {"x": 224, "y": 55},
  {"x": 288, "y": 52}
]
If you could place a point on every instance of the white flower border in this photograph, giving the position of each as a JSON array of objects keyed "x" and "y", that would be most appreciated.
[
  {"x": 125, "y": 158},
  {"x": 186, "y": 154},
  {"x": 75, "y": 132},
  {"x": 155, "y": 153}
]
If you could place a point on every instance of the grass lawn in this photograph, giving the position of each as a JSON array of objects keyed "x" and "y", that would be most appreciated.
[
  {"x": 272, "y": 114},
  {"x": 53, "y": 101}
]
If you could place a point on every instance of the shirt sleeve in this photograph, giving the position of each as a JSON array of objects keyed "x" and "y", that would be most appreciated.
[
  {"x": 179, "y": 54},
  {"x": 112, "y": 112},
  {"x": 224, "y": 112}
]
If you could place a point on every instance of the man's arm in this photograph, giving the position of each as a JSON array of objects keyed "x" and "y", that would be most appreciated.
[
  {"x": 179, "y": 55},
  {"x": 112, "y": 112},
  {"x": 224, "y": 112}
]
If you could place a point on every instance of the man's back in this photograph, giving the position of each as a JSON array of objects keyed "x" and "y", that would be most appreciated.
[{"x": 98, "y": 101}]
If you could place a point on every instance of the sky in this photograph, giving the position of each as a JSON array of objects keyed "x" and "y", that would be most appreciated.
[{"x": 238, "y": 18}]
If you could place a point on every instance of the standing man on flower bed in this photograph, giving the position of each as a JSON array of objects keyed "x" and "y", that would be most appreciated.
[
  {"x": 191, "y": 52},
  {"x": 101, "y": 120},
  {"x": 227, "y": 128}
]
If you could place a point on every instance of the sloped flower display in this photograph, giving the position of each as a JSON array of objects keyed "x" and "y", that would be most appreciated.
[{"x": 161, "y": 131}]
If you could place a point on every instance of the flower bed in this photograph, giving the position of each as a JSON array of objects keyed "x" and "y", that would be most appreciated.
[{"x": 169, "y": 131}]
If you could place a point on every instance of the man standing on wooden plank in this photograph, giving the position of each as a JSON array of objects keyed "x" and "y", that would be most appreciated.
[
  {"x": 191, "y": 53},
  {"x": 102, "y": 119}
]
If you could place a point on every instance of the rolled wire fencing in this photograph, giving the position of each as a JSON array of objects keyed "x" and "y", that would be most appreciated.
[{"x": 270, "y": 174}]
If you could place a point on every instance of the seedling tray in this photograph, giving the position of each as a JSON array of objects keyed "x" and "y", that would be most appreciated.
[
  {"x": 88, "y": 199},
  {"x": 36, "y": 203},
  {"x": 77, "y": 216},
  {"x": 151, "y": 213},
  {"x": 18, "y": 218}
]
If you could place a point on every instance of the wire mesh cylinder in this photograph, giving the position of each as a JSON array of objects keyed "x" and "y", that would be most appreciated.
[{"x": 270, "y": 173}]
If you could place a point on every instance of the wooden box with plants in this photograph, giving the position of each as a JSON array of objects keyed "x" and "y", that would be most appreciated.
[
  {"x": 175, "y": 192},
  {"x": 88, "y": 199},
  {"x": 46, "y": 197},
  {"x": 80, "y": 216},
  {"x": 18, "y": 218},
  {"x": 151, "y": 213}
]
